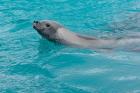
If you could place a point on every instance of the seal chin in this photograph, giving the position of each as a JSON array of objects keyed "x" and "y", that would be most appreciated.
[
  {"x": 36, "y": 28},
  {"x": 34, "y": 25}
]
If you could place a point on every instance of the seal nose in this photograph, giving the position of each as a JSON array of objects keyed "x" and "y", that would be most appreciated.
[{"x": 36, "y": 21}]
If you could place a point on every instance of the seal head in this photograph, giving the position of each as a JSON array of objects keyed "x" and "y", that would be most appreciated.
[{"x": 47, "y": 29}]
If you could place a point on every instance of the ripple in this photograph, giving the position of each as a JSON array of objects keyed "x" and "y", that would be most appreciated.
[
  {"x": 127, "y": 78},
  {"x": 75, "y": 73},
  {"x": 134, "y": 91}
]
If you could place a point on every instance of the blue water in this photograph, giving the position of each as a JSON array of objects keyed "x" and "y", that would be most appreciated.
[{"x": 30, "y": 64}]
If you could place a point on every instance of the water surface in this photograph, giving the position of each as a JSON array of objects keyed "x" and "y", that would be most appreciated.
[{"x": 30, "y": 64}]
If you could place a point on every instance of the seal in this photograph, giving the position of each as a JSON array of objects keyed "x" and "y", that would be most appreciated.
[{"x": 55, "y": 32}]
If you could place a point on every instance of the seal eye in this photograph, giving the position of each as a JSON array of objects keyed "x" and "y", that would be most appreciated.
[{"x": 47, "y": 25}]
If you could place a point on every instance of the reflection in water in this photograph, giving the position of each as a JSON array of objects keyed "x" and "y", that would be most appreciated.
[{"x": 46, "y": 49}]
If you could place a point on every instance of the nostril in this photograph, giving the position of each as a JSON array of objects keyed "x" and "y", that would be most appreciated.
[{"x": 36, "y": 21}]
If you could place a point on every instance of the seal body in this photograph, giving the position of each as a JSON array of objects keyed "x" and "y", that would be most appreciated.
[{"x": 55, "y": 32}]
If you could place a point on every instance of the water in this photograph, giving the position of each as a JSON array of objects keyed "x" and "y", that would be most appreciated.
[{"x": 30, "y": 64}]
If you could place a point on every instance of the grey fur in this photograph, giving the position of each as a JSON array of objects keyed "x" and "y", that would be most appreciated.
[
  {"x": 86, "y": 37},
  {"x": 55, "y": 32}
]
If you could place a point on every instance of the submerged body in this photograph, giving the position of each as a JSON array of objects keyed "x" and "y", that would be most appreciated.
[{"x": 55, "y": 32}]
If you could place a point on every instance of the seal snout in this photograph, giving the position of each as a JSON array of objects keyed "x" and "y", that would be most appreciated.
[{"x": 35, "y": 23}]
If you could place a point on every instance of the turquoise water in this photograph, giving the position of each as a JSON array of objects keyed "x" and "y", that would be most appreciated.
[{"x": 30, "y": 64}]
